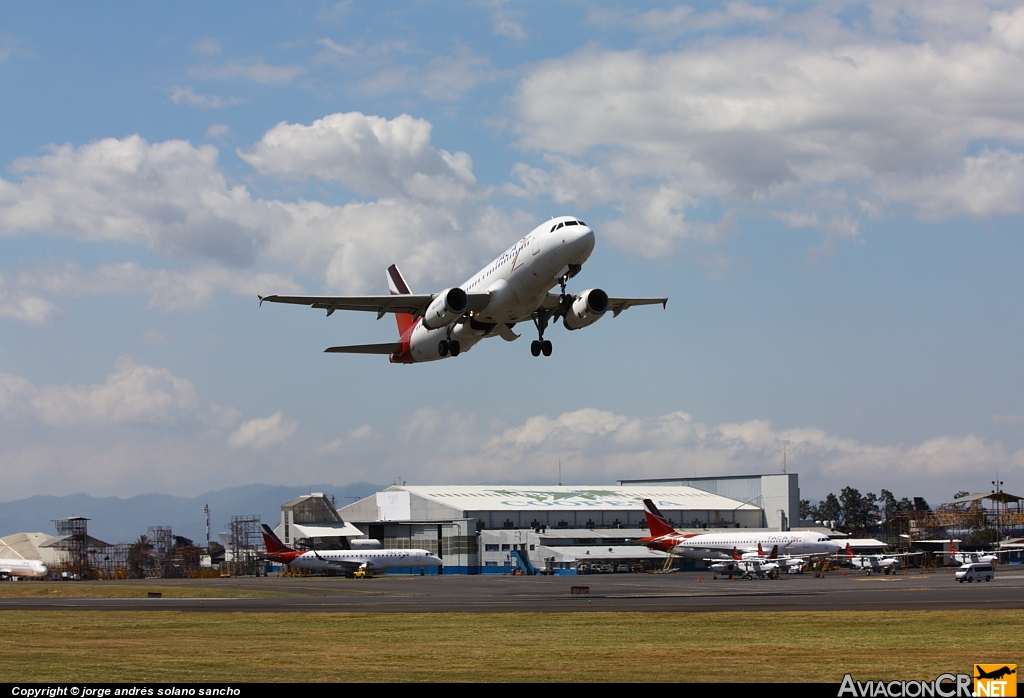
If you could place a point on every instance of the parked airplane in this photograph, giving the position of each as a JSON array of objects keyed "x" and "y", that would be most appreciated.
[
  {"x": 514, "y": 288},
  {"x": 19, "y": 567},
  {"x": 719, "y": 546},
  {"x": 748, "y": 565},
  {"x": 966, "y": 558},
  {"x": 348, "y": 561},
  {"x": 886, "y": 564}
]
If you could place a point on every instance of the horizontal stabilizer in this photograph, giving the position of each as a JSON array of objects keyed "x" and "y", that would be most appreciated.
[{"x": 389, "y": 348}]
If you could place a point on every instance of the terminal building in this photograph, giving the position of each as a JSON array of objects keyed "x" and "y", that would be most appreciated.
[{"x": 497, "y": 529}]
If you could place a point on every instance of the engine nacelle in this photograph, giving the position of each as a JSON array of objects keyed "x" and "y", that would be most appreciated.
[
  {"x": 586, "y": 309},
  {"x": 448, "y": 307}
]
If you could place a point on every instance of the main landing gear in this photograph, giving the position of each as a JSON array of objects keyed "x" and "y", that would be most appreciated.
[{"x": 445, "y": 346}]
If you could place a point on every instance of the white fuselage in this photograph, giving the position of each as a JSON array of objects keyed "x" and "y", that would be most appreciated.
[
  {"x": 17, "y": 567},
  {"x": 369, "y": 559},
  {"x": 517, "y": 281},
  {"x": 720, "y": 545},
  {"x": 874, "y": 563}
]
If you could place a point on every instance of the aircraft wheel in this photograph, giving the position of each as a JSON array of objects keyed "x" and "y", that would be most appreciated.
[
  {"x": 455, "y": 347},
  {"x": 442, "y": 347},
  {"x": 535, "y": 348},
  {"x": 545, "y": 347}
]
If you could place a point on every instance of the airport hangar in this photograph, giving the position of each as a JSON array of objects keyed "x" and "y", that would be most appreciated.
[{"x": 484, "y": 529}]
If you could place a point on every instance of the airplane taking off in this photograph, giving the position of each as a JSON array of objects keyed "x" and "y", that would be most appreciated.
[
  {"x": 719, "y": 546},
  {"x": 18, "y": 567},
  {"x": 348, "y": 561},
  {"x": 513, "y": 288}
]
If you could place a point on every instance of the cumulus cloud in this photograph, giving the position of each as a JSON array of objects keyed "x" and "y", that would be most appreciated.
[
  {"x": 15, "y": 304},
  {"x": 786, "y": 119},
  {"x": 368, "y": 154},
  {"x": 169, "y": 196},
  {"x": 172, "y": 197},
  {"x": 260, "y": 434},
  {"x": 598, "y": 446},
  {"x": 132, "y": 394}
]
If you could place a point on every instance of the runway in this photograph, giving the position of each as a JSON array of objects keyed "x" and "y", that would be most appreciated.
[{"x": 683, "y": 592}]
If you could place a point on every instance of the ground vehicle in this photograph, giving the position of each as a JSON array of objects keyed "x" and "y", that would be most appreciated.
[{"x": 975, "y": 572}]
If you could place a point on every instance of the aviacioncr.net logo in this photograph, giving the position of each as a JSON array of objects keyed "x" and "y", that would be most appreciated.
[{"x": 944, "y": 686}]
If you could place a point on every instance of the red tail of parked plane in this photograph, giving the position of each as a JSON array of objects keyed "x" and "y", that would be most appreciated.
[
  {"x": 276, "y": 550},
  {"x": 656, "y": 522}
]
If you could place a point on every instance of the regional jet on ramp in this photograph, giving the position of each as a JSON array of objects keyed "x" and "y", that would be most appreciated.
[
  {"x": 702, "y": 546},
  {"x": 514, "y": 288},
  {"x": 347, "y": 561},
  {"x": 19, "y": 567}
]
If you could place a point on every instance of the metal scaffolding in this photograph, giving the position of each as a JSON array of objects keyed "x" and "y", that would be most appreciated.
[
  {"x": 246, "y": 538},
  {"x": 74, "y": 534}
]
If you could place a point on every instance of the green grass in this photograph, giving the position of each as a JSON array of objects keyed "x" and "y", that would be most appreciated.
[{"x": 798, "y": 647}]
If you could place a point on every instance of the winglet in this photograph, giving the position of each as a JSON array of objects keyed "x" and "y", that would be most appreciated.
[
  {"x": 664, "y": 304},
  {"x": 261, "y": 299}
]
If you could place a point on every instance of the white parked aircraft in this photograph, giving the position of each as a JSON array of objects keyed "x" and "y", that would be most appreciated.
[
  {"x": 348, "y": 561},
  {"x": 719, "y": 546},
  {"x": 966, "y": 558},
  {"x": 513, "y": 288},
  {"x": 19, "y": 567},
  {"x": 748, "y": 565},
  {"x": 886, "y": 564}
]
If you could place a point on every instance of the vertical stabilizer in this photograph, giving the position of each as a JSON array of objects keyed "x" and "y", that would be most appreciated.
[
  {"x": 398, "y": 287},
  {"x": 656, "y": 523}
]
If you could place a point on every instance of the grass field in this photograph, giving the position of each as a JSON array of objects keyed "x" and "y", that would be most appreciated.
[{"x": 798, "y": 647}]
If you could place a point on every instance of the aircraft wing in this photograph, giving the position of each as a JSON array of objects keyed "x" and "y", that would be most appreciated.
[
  {"x": 615, "y": 305},
  {"x": 412, "y": 303}
]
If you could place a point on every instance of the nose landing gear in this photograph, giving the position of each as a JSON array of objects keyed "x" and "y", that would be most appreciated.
[{"x": 541, "y": 345}]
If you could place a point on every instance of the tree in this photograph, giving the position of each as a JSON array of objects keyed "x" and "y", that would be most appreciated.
[
  {"x": 806, "y": 510},
  {"x": 888, "y": 504},
  {"x": 830, "y": 509},
  {"x": 138, "y": 553},
  {"x": 858, "y": 511}
]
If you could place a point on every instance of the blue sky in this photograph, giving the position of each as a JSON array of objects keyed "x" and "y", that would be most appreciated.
[{"x": 830, "y": 194}]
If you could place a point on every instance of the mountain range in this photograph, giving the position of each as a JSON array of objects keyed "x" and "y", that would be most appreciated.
[{"x": 117, "y": 520}]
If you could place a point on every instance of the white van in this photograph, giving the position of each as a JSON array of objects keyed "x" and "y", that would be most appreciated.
[{"x": 975, "y": 572}]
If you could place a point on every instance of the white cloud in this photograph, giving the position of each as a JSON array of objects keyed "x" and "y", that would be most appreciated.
[
  {"x": 207, "y": 46},
  {"x": 169, "y": 196},
  {"x": 218, "y": 131},
  {"x": 133, "y": 394},
  {"x": 167, "y": 290},
  {"x": 598, "y": 446},
  {"x": 186, "y": 95},
  {"x": 173, "y": 198},
  {"x": 368, "y": 154},
  {"x": 809, "y": 117},
  {"x": 259, "y": 434},
  {"x": 17, "y": 305},
  {"x": 444, "y": 78},
  {"x": 252, "y": 69}
]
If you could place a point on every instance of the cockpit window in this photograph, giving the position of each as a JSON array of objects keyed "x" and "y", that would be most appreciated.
[
  {"x": 581, "y": 223},
  {"x": 571, "y": 223},
  {"x": 553, "y": 228},
  {"x": 559, "y": 226}
]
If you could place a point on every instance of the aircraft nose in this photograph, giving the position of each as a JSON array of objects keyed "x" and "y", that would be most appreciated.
[{"x": 581, "y": 244}]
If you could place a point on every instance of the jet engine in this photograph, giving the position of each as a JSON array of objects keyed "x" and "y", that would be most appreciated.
[
  {"x": 446, "y": 308},
  {"x": 586, "y": 309}
]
